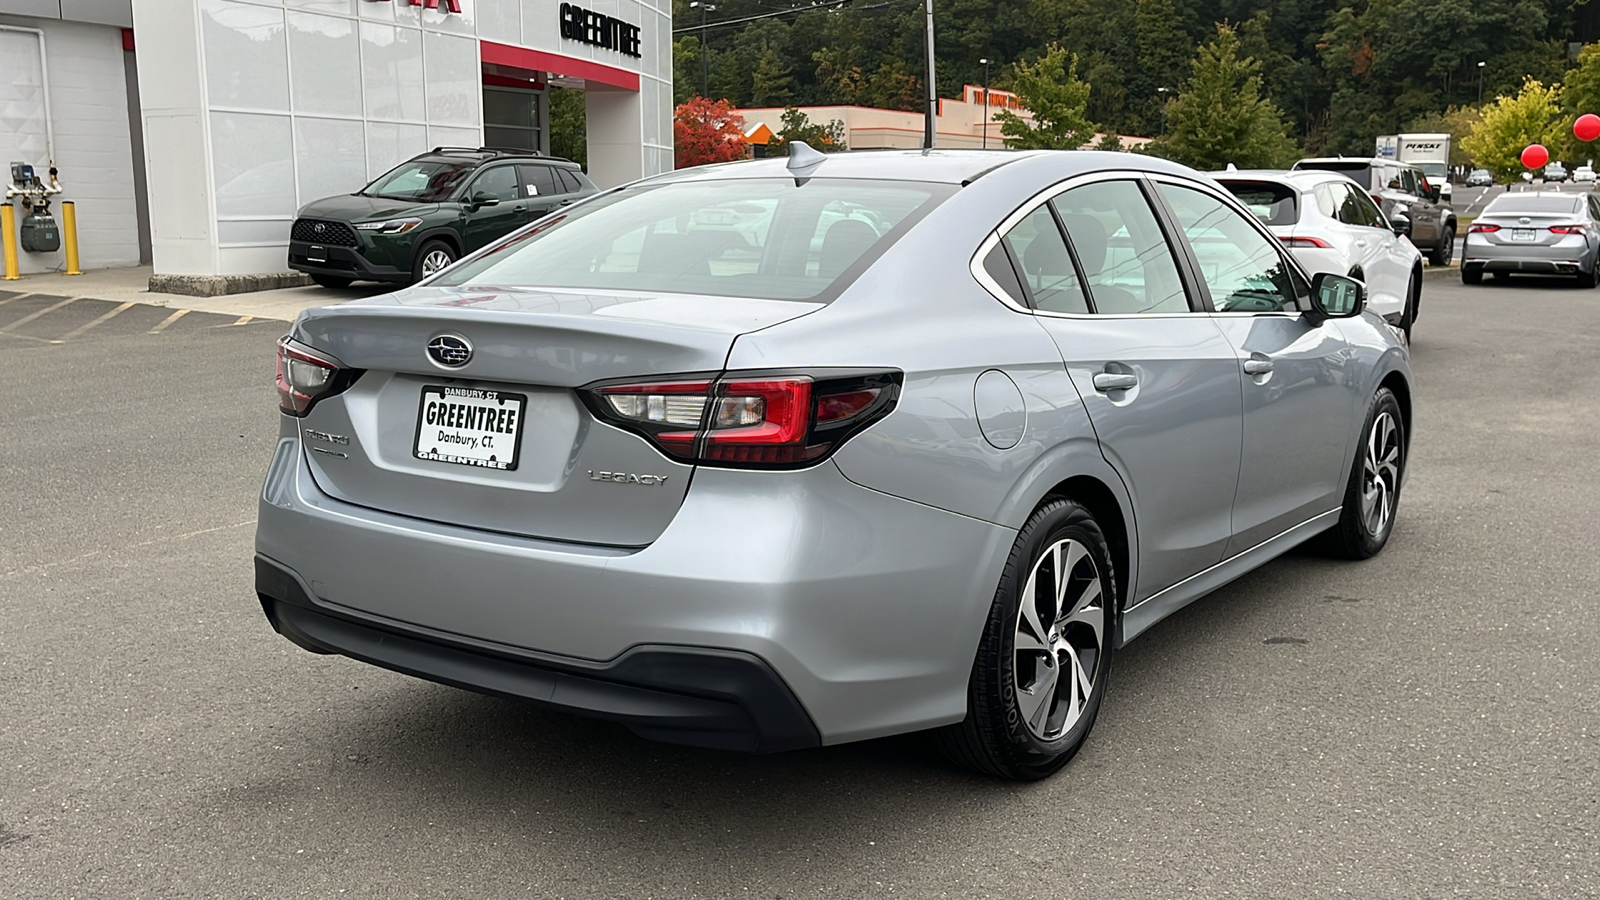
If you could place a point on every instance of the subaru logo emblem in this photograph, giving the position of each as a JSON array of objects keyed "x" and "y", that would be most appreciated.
[{"x": 450, "y": 350}]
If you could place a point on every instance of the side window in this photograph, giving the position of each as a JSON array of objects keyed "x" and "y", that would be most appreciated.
[
  {"x": 1409, "y": 182},
  {"x": 569, "y": 181},
  {"x": 1124, "y": 254},
  {"x": 998, "y": 264},
  {"x": 1327, "y": 200},
  {"x": 499, "y": 182},
  {"x": 1046, "y": 264},
  {"x": 539, "y": 181},
  {"x": 1350, "y": 211},
  {"x": 1370, "y": 214},
  {"x": 1242, "y": 268}
]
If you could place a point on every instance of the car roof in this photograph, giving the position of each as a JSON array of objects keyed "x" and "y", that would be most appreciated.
[
  {"x": 946, "y": 166},
  {"x": 1366, "y": 160},
  {"x": 1301, "y": 178},
  {"x": 491, "y": 154}
]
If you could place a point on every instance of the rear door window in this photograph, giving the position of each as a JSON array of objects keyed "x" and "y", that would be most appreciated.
[
  {"x": 569, "y": 182},
  {"x": 539, "y": 181},
  {"x": 1125, "y": 257},
  {"x": 1047, "y": 267}
]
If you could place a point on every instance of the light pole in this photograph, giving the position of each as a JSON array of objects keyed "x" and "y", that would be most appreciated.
[
  {"x": 927, "y": 118},
  {"x": 985, "y": 62},
  {"x": 1163, "y": 92},
  {"x": 1481, "y": 64},
  {"x": 705, "y": 72}
]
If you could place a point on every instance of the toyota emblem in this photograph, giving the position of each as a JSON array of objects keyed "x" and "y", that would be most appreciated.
[
  {"x": 319, "y": 228},
  {"x": 450, "y": 350}
]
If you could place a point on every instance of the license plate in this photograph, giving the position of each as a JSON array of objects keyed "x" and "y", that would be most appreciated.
[
  {"x": 469, "y": 427},
  {"x": 1524, "y": 234},
  {"x": 317, "y": 254}
]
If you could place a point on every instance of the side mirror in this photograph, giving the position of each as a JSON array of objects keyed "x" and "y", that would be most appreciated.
[
  {"x": 1337, "y": 296},
  {"x": 1401, "y": 224},
  {"x": 1434, "y": 192},
  {"x": 484, "y": 198}
]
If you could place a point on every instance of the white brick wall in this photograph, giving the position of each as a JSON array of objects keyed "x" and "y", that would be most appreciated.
[{"x": 88, "y": 99}]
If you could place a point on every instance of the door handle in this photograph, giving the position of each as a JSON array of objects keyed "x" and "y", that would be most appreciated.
[
  {"x": 1257, "y": 366},
  {"x": 1115, "y": 381}
]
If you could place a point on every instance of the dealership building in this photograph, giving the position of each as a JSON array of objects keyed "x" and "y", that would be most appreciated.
[{"x": 188, "y": 132}]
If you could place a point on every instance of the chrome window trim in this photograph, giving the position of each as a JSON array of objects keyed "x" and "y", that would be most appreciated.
[{"x": 975, "y": 265}]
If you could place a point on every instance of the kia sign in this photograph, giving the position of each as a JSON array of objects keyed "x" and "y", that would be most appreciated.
[{"x": 599, "y": 30}]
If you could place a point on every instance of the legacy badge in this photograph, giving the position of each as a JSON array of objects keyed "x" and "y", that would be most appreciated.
[{"x": 626, "y": 478}]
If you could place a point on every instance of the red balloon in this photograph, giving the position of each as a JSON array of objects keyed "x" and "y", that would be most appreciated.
[
  {"x": 1587, "y": 128},
  {"x": 1535, "y": 155}
]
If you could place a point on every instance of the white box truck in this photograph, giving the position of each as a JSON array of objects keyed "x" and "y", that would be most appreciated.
[{"x": 1428, "y": 152}]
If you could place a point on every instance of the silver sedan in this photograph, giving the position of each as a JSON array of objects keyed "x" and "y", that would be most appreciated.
[
  {"x": 1535, "y": 233},
  {"x": 810, "y": 450}
]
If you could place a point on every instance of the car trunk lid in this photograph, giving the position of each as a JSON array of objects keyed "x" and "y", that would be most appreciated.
[{"x": 549, "y": 469}]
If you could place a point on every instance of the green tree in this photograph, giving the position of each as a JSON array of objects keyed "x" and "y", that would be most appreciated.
[
  {"x": 1510, "y": 124},
  {"x": 797, "y": 128},
  {"x": 1050, "y": 89},
  {"x": 770, "y": 83},
  {"x": 569, "y": 134},
  {"x": 1220, "y": 117}
]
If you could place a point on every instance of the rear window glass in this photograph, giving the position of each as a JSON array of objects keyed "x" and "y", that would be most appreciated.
[
  {"x": 1274, "y": 204},
  {"x": 1531, "y": 203},
  {"x": 769, "y": 239}
]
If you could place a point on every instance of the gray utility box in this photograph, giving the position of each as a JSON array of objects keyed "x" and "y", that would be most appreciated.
[{"x": 40, "y": 234}]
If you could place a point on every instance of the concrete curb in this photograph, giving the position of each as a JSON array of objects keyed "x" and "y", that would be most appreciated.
[
  {"x": 220, "y": 285},
  {"x": 1431, "y": 272}
]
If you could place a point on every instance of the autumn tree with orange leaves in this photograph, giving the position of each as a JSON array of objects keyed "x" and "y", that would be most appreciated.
[{"x": 705, "y": 132}]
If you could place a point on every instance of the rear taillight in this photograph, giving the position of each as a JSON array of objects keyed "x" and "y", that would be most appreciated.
[
  {"x": 1577, "y": 228},
  {"x": 749, "y": 419},
  {"x": 1482, "y": 228},
  {"x": 1304, "y": 241},
  {"x": 306, "y": 376}
]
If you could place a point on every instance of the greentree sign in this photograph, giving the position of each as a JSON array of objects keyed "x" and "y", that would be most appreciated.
[{"x": 600, "y": 30}]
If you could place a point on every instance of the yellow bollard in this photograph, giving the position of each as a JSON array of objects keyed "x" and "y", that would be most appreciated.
[
  {"x": 8, "y": 225},
  {"x": 69, "y": 229}
]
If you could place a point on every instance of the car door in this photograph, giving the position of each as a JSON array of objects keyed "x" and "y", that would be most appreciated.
[
  {"x": 493, "y": 206},
  {"x": 543, "y": 189},
  {"x": 1298, "y": 399},
  {"x": 1425, "y": 217},
  {"x": 1159, "y": 381}
]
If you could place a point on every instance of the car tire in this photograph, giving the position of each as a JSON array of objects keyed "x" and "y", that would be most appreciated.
[
  {"x": 1445, "y": 250},
  {"x": 1586, "y": 279},
  {"x": 1025, "y": 725},
  {"x": 1471, "y": 275},
  {"x": 330, "y": 281},
  {"x": 431, "y": 257},
  {"x": 1372, "y": 495}
]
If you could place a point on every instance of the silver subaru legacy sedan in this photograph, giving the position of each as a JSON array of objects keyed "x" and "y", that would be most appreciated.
[{"x": 802, "y": 451}]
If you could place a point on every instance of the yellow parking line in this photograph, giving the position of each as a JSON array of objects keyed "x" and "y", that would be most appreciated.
[
  {"x": 88, "y": 325},
  {"x": 176, "y": 315},
  {"x": 242, "y": 320},
  {"x": 34, "y": 315}
]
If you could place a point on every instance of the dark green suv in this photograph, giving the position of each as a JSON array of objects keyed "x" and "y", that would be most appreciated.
[{"x": 428, "y": 212}]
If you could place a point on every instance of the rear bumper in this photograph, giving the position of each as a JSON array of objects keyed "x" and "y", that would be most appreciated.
[
  {"x": 707, "y": 698},
  {"x": 867, "y": 607},
  {"x": 342, "y": 262}
]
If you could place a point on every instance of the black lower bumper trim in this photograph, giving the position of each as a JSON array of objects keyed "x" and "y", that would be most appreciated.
[
  {"x": 341, "y": 262},
  {"x": 685, "y": 695}
]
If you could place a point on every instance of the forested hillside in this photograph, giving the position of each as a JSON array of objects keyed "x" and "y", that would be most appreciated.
[{"x": 1340, "y": 71}]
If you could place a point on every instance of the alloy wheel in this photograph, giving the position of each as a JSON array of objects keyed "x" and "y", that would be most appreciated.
[
  {"x": 1380, "y": 480},
  {"x": 434, "y": 261},
  {"x": 1060, "y": 636}
]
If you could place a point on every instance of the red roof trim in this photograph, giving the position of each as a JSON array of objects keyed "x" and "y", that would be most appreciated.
[{"x": 540, "y": 61}]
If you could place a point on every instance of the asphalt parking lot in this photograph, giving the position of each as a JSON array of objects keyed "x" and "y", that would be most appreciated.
[{"x": 1425, "y": 724}]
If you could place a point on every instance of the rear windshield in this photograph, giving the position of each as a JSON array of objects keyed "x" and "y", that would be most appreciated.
[
  {"x": 1274, "y": 204},
  {"x": 770, "y": 239},
  {"x": 1531, "y": 203},
  {"x": 422, "y": 182}
]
